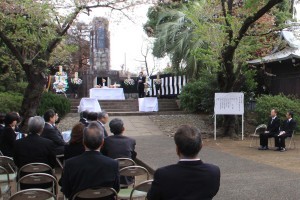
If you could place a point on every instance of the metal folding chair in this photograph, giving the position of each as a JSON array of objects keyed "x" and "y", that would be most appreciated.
[
  {"x": 292, "y": 140},
  {"x": 35, "y": 168},
  {"x": 9, "y": 165},
  {"x": 125, "y": 162},
  {"x": 96, "y": 193},
  {"x": 5, "y": 187},
  {"x": 131, "y": 171},
  {"x": 255, "y": 135},
  {"x": 33, "y": 194},
  {"x": 141, "y": 190},
  {"x": 38, "y": 179}
]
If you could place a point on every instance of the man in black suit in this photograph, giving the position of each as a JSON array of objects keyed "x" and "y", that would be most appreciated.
[
  {"x": 119, "y": 146},
  {"x": 102, "y": 119},
  {"x": 33, "y": 148},
  {"x": 141, "y": 80},
  {"x": 286, "y": 130},
  {"x": 190, "y": 178},
  {"x": 90, "y": 169},
  {"x": 52, "y": 133},
  {"x": 272, "y": 130},
  {"x": 83, "y": 117}
]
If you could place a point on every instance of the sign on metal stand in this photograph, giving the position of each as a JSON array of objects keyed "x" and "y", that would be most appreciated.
[{"x": 229, "y": 104}]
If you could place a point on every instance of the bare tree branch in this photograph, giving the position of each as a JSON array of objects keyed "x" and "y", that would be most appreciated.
[{"x": 12, "y": 48}]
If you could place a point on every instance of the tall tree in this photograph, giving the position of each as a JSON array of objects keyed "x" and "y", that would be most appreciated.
[{"x": 32, "y": 29}]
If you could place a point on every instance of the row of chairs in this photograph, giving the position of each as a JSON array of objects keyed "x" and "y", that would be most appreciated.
[
  {"x": 35, "y": 175},
  {"x": 262, "y": 127}
]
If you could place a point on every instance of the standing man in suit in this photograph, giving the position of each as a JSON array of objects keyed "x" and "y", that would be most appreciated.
[
  {"x": 141, "y": 80},
  {"x": 52, "y": 133},
  {"x": 33, "y": 148},
  {"x": 190, "y": 178},
  {"x": 102, "y": 119},
  {"x": 287, "y": 129},
  {"x": 272, "y": 130},
  {"x": 90, "y": 169}
]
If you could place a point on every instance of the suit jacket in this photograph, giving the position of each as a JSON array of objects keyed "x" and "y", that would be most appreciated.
[
  {"x": 52, "y": 133},
  {"x": 104, "y": 130},
  {"x": 141, "y": 85},
  {"x": 72, "y": 150},
  {"x": 7, "y": 143},
  {"x": 274, "y": 126},
  {"x": 119, "y": 146},
  {"x": 288, "y": 127},
  {"x": 89, "y": 170},
  {"x": 34, "y": 148},
  {"x": 186, "y": 180}
]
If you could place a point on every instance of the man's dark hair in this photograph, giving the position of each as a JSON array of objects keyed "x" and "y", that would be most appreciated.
[
  {"x": 2, "y": 117},
  {"x": 116, "y": 126},
  {"x": 84, "y": 114},
  {"x": 49, "y": 114},
  {"x": 93, "y": 136},
  {"x": 92, "y": 116},
  {"x": 188, "y": 140},
  {"x": 101, "y": 114},
  {"x": 290, "y": 113},
  {"x": 10, "y": 117}
]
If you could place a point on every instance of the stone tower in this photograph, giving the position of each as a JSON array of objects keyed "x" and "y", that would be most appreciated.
[{"x": 100, "y": 45}]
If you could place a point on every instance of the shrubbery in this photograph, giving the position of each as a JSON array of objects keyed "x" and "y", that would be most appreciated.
[
  {"x": 199, "y": 95},
  {"x": 282, "y": 103},
  {"x": 10, "y": 101},
  {"x": 57, "y": 102}
]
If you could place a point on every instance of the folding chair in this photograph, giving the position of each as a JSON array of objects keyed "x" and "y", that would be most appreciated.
[
  {"x": 9, "y": 165},
  {"x": 292, "y": 140},
  {"x": 131, "y": 171},
  {"x": 141, "y": 190},
  {"x": 5, "y": 187},
  {"x": 125, "y": 162},
  {"x": 96, "y": 193},
  {"x": 35, "y": 168},
  {"x": 58, "y": 157},
  {"x": 33, "y": 194},
  {"x": 38, "y": 179},
  {"x": 255, "y": 134}
]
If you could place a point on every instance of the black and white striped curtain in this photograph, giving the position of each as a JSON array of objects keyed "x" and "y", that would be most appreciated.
[{"x": 171, "y": 85}]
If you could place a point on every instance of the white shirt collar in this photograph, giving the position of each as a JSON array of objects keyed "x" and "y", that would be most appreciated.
[
  {"x": 185, "y": 159},
  {"x": 49, "y": 124}
]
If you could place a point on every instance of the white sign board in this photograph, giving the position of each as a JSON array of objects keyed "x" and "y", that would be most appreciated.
[{"x": 229, "y": 103}]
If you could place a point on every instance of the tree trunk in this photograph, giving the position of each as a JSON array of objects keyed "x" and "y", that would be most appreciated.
[{"x": 32, "y": 96}]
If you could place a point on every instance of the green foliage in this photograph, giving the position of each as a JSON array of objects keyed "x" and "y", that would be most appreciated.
[
  {"x": 53, "y": 101},
  {"x": 198, "y": 95},
  {"x": 18, "y": 87},
  {"x": 10, "y": 101},
  {"x": 282, "y": 103}
]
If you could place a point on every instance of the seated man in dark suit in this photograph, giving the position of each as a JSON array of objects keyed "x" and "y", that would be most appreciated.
[
  {"x": 272, "y": 130},
  {"x": 33, "y": 148},
  {"x": 83, "y": 117},
  {"x": 286, "y": 130},
  {"x": 52, "y": 133},
  {"x": 190, "y": 178},
  {"x": 119, "y": 146},
  {"x": 90, "y": 169},
  {"x": 102, "y": 119}
]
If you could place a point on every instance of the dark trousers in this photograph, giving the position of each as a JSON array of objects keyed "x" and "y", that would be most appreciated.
[
  {"x": 141, "y": 91},
  {"x": 280, "y": 140},
  {"x": 264, "y": 138}
]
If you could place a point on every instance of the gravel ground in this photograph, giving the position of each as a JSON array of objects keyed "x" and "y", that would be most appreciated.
[
  {"x": 68, "y": 121},
  {"x": 170, "y": 123}
]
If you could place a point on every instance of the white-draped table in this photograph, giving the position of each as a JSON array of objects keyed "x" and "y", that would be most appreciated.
[
  {"x": 89, "y": 104},
  {"x": 148, "y": 104},
  {"x": 107, "y": 93}
]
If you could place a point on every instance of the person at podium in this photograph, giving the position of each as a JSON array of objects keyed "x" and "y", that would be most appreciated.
[{"x": 141, "y": 80}]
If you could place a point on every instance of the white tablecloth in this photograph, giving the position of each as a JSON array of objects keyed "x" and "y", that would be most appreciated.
[
  {"x": 148, "y": 104},
  {"x": 107, "y": 93},
  {"x": 89, "y": 104}
]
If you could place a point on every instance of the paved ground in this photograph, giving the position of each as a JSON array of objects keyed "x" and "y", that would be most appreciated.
[{"x": 251, "y": 178}]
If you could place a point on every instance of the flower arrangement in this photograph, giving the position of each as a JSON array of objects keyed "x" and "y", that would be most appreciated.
[
  {"x": 76, "y": 81},
  {"x": 129, "y": 82}
]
